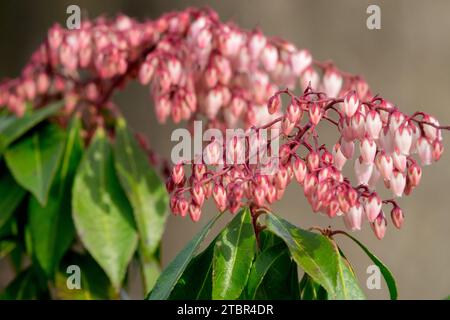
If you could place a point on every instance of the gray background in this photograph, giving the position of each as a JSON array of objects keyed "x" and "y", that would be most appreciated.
[{"x": 407, "y": 61}]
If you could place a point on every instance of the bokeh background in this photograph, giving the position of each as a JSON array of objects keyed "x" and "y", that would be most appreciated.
[{"x": 407, "y": 61}]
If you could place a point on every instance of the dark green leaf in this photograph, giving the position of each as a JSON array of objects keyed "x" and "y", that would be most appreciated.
[
  {"x": 26, "y": 286},
  {"x": 102, "y": 214},
  {"x": 170, "y": 276},
  {"x": 388, "y": 277},
  {"x": 311, "y": 290},
  {"x": 11, "y": 194},
  {"x": 146, "y": 193},
  {"x": 272, "y": 275},
  {"x": 313, "y": 252},
  {"x": 34, "y": 160},
  {"x": 12, "y": 128},
  {"x": 94, "y": 283},
  {"x": 196, "y": 281},
  {"x": 54, "y": 220},
  {"x": 233, "y": 256}
]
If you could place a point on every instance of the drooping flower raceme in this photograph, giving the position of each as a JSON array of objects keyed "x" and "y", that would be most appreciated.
[{"x": 197, "y": 67}]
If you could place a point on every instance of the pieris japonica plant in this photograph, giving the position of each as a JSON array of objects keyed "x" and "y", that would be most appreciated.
[{"x": 79, "y": 189}]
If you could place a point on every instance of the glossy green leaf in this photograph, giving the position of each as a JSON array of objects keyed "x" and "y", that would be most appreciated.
[
  {"x": 348, "y": 287},
  {"x": 102, "y": 214},
  {"x": 12, "y": 128},
  {"x": 34, "y": 160},
  {"x": 172, "y": 273},
  {"x": 313, "y": 252},
  {"x": 146, "y": 193},
  {"x": 272, "y": 275},
  {"x": 196, "y": 281},
  {"x": 11, "y": 194},
  {"x": 94, "y": 283},
  {"x": 233, "y": 257},
  {"x": 54, "y": 220},
  {"x": 388, "y": 277}
]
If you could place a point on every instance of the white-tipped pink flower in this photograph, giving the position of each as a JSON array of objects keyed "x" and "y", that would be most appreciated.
[
  {"x": 373, "y": 124},
  {"x": 220, "y": 197},
  {"x": 353, "y": 218},
  {"x": 351, "y": 104},
  {"x": 425, "y": 151},
  {"x": 379, "y": 226},
  {"x": 385, "y": 165},
  {"x": 368, "y": 148},
  {"x": 299, "y": 168},
  {"x": 332, "y": 83},
  {"x": 403, "y": 139},
  {"x": 178, "y": 173},
  {"x": 397, "y": 183},
  {"x": 339, "y": 159},
  {"x": 363, "y": 171},
  {"x": 372, "y": 207}
]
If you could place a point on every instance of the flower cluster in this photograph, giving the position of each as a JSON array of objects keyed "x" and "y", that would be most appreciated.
[
  {"x": 388, "y": 141},
  {"x": 199, "y": 67}
]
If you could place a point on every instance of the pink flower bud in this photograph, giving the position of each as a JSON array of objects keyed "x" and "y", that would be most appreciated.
[
  {"x": 274, "y": 104},
  {"x": 294, "y": 112},
  {"x": 338, "y": 157},
  {"x": 403, "y": 139},
  {"x": 198, "y": 194},
  {"x": 256, "y": 44},
  {"x": 396, "y": 120},
  {"x": 373, "y": 124},
  {"x": 399, "y": 160},
  {"x": 348, "y": 149},
  {"x": 315, "y": 114},
  {"x": 259, "y": 196},
  {"x": 300, "y": 60},
  {"x": 281, "y": 178},
  {"x": 287, "y": 126},
  {"x": 372, "y": 207},
  {"x": 271, "y": 194},
  {"x": 213, "y": 153},
  {"x": 363, "y": 171},
  {"x": 309, "y": 78},
  {"x": 178, "y": 173},
  {"x": 43, "y": 83},
  {"x": 385, "y": 165},
  {"x": 430, "y": 131},
  {"x": 199, "y": 171},
  {"x": 358, "y": 126},
  {"x": 353, "y": 218},
  {"x": 332, "y": 82},
  {"x": 237, "y": 105},
  {"x": 438, "y": 149},
  {"x": 299, "y": 170},
  {"x": 379, "y": 226},
  {"x": 368, "y": 148},
  {"x": 414, "y": 174},
  {"x": 183, "y": 207},
  {"x": 220, "y": 197},
  {"x": 425, "y": 151},
  {"x": 397, "y": 183},
  {"x": 195, "y": 212},
  {"x": 397, "y": 217},
  {"x": 312, "y": 160},
  {"x": 269, "y": 57},
  {"x": 310, "y": 184},
  {"x": 214, "y": 100},
  {"x": 351, "y": 104},
  {"x": 146, "y": 72}
]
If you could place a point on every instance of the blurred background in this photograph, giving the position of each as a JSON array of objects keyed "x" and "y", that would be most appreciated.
[{"x": 407, "y": 62}]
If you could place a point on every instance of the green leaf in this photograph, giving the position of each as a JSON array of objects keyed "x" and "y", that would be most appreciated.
[
  {"x": 170, "y": 276},
  {"x": 348, "y": 287},
  {"x": 196, "y": 281},
  {"x": 94, "y": 283},
  {"x": 12, "y": 128},
  {"x": 272, "y": 275},
  {"x": 313, "y": 252},
  {"x": 233, "y": 257},
  {"x": 146, "y": 193},
  {"x": 26, "y": 286},
  {"x": 102, "y": 214},
  {"x": 311, "y": 290},
  {"x": 54, "y": 220},
  {"x": 11, "y": 194},
  {"x": 388, "y": 277},
  {"x": 6, "y": 246},
  {"x": 34, "y": 160}
]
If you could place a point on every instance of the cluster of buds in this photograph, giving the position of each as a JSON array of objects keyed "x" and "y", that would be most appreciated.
[
  {"x": 199, "y": 67},
  {"x": 388, "y": 142},
  {"x": 194, "y": 64}
]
